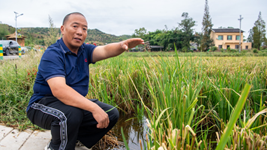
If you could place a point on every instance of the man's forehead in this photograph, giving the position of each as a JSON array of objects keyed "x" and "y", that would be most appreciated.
[{"x": 77, "y": 18}]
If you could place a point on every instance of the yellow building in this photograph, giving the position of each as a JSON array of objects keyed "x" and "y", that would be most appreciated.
[{"x": 224, "y": 38}]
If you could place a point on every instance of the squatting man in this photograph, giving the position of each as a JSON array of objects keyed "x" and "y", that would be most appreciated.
[{"x": 58, "y": 103}]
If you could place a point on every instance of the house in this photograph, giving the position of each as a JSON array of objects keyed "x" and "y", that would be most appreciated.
[
  {"x": 156, "y": 48},
  {"x": 224, "y": 38},
  {"x": 20, "y": 38}
]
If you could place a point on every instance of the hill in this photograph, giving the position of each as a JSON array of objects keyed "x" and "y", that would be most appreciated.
[
  {"x": 35, "y": 35},
  {"x": 5, "y": 30}
]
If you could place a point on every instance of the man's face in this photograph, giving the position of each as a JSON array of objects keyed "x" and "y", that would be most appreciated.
[{"x": 74, "y": 31}]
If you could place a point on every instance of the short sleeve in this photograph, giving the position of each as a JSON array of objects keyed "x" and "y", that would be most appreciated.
[
  {"x": 52, "y": 64},
  {"x": 89, "y": 50}
]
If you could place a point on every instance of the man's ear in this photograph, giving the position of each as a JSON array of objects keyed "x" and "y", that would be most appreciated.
[{"x": 62, "y": 29}]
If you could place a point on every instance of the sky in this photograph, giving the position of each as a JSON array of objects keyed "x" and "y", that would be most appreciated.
[{"x": 120, "y": 17}]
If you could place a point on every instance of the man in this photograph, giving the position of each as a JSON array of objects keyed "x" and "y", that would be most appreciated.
[{"x": 61, "y": 84}]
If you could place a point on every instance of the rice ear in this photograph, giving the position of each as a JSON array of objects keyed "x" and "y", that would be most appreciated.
[{"x": 251, "y": 120}]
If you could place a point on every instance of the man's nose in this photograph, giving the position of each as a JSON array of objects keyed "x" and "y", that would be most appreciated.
[{"x": 79, "y": 31}]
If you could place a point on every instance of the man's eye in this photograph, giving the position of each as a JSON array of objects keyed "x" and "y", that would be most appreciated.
[
  {"x": 75, "y": 26},
  {"x": 84, "y": 29}
]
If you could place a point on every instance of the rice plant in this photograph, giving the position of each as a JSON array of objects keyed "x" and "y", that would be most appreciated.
[{"x": 188, "y": 99}]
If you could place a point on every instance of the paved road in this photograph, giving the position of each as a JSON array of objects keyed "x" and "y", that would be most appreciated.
[
  {"x": 12, "y": 139},
  {"x": 12, "y": 57}
]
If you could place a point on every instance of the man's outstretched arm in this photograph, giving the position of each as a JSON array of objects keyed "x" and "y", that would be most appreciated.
[{"x": 115, "y": 49}]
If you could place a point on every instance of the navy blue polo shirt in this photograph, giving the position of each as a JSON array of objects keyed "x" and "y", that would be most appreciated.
[{"x": 59, "y": 61}]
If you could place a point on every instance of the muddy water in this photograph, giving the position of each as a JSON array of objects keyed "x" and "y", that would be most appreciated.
[{"x": 134, "y": 129}]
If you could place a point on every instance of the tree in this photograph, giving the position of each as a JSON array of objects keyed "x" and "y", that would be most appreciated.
[
  {"x": 187, "y": 25},
  {"x": 166, "y": 38},
  {"x": 256, "y": 38},
  {"x": 3, "y": 32},
  {"x": 206, "y": 29},
  {"x": 198, "y": 38},
  {"x": 259, "y": 32},
  {"x": 140, "y": 32},
  {"x": 250, "y": 36},
  {"x": 53, "y": 34}
]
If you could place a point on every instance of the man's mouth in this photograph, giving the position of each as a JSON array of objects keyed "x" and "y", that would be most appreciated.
[{"x": 77, "y": 39}]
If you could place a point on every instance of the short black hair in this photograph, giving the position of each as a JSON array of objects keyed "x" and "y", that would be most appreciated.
[{"x": 68, "y": 15}]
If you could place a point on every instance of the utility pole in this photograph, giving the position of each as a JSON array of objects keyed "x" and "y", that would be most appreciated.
[
  {"x": 16, "y": 16},
  {"x": 240, "y": 19}
]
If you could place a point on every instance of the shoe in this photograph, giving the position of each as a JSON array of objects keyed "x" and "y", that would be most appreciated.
[
  {"x": 48, "y": 147},
  {"x": 78, "y": 144}
]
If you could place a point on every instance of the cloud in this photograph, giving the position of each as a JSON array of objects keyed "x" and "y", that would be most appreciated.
[{"x": 123, "y": 17}]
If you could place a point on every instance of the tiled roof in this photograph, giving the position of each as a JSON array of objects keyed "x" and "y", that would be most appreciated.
[
  {"x": 226, "y": 30},
  {"x": 13, "y": 35}
]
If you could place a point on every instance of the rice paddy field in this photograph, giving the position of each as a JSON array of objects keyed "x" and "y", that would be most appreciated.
[{"x": 189, "y": 101}]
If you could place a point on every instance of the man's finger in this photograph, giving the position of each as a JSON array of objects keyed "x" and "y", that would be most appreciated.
[
  {"x": 106, "y": 123},
  {"x": 125, "y": 47},
  {"x": 100, "y": 125}
]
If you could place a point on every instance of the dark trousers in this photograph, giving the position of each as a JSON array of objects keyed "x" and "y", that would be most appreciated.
[{"x": 69, "y": 124}]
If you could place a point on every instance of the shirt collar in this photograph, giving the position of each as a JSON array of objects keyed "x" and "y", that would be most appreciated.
[{"x": 65, "y": 49}]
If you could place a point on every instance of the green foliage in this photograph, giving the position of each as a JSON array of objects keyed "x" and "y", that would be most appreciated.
[
  {"x": 258, "y": 32},
  {"x": 166, "y": 38},
  {"x": 206, "y": 42},
  {"x": 197, "y": 39},
  {"x": 233, "y": 50},
  {"x": 184, "y": 49},
  {"x": 185, "y": 93},
  {"x": 234, "y": 117},
  {"x": 250, "y": 36},
  {"x": 255, "y": 51},
  {"x": 37, "y": 35},
  {"x": 141, "y": 32},
  {"x": 256, "y": 38},
  {"x": 53, "y": 34},
  {"x": 199, "y": 47},
  {"x": 124, "y": 37},
  {"x": 3, "y": 31},
  {"x": 214, "y": 48},
  {"x": 97, "y": 35},
  {"x": 16, "y": 81},
  {"x": 169, "y": 38},
  {"x": 186, "y": 26}
]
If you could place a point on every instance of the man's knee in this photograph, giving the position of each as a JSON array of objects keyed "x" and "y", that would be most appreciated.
[
  {"x": 114, "y": 114},
  {"x": 74, "y": 116}
]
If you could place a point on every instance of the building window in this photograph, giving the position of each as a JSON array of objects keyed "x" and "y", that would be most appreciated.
[
  {"x": 236, "y": 46},
  {"x": 237, "y": 37},
  {"x": 228, "y": 46},
  {"x": 220, "y": 46},
  {"x": 229, "y": 37},
  {"x": 246, "y": 47},
  {"x": 220, "y": 37}
]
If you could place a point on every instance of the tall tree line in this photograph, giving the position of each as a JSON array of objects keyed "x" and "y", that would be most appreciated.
[
  {"x": 257, "y": 35},
  {"x": 179, "y": 36},
  {"x": 206, "y": 41},
  {"x": 182, "y": 35}
]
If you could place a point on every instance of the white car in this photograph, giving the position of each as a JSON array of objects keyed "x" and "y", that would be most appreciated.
[{"x": 24, "y": 50}]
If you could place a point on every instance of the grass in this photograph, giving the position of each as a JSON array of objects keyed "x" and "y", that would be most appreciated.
[
  {"x": 193, "y": 92},
  {"x": 245, "y": 53},
  {"x": 188, "y": 98}
]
